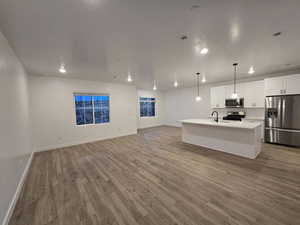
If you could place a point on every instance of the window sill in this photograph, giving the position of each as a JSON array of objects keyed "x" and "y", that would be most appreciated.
[{"x": 92, "y": 124}]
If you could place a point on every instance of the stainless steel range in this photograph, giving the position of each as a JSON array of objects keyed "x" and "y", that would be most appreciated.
[{"x": 282, "y": 120}]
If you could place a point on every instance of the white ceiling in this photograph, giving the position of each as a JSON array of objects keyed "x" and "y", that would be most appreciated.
[{"x": 103, "y": 39}]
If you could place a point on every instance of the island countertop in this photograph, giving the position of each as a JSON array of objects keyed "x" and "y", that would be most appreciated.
[{"x": 224, "y": 123}]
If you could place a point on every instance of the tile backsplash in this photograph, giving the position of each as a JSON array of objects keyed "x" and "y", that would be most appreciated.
[{"x": 250, "y": 112}]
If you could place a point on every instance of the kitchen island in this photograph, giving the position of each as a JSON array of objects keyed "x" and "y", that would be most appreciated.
[{"x": 234, "y": 137}]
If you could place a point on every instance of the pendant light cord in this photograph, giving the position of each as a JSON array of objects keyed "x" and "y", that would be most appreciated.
[
  {"x": 198, "y": 91},
  {"x": 234, "y": 81}
]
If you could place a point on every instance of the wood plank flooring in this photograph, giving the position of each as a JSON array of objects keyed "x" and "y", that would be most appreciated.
[{"x": 154, "y": 178}]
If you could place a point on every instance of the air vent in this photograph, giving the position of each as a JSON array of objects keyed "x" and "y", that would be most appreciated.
[
  {"x": 195, "y": 7},
  {"x": 277, "y": 34},
  {"x": 183, "y": 37}
]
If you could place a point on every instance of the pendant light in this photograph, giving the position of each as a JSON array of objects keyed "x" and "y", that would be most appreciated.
[
  {"x": 154, "y": 86},
  {"x": 129, "y": 78},
  {"x": 198, "y": 97},
  {"x": 251, "y": 70},
  {"x": 175, "y": 80},
  {"x": 62, "y": 68},
  {"x": 234, "y": 94},
  {"x": 175, "y": 83}
]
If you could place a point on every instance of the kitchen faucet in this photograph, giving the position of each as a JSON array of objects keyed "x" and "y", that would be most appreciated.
[{"x": 217, "y": 118}]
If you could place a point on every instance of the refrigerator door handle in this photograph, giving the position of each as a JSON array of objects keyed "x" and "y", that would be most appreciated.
[
  {"x": 286, "y": 130},
  {"x": 283, "y": 113}
]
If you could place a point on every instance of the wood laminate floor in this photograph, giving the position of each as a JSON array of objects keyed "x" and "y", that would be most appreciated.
[{"x": 154, "y": 178}]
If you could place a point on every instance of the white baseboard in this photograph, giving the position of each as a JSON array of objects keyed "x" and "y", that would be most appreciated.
[
  {"x": 18, "y": 191},
  {"x": 83, "y": 141},
  {"x": 173, "y": 124},
  {"x": 150, "y": 126}
]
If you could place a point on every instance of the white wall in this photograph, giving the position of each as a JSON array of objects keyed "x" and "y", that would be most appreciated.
[
  {"x": 53, "y": 113},
  {"x": 180, "y": 104},
  {"x": 144, "y": 122},
  {"x": 15, "y": 147}
]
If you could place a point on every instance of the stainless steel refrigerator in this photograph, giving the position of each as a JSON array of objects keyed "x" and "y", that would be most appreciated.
[{"x": 282, "y": 120}]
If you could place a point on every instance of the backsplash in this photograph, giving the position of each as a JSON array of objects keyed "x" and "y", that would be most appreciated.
[{"x": 250, "y": 113}]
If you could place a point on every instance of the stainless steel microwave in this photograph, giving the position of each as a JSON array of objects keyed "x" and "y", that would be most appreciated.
[{"x": 234, "y": 103}]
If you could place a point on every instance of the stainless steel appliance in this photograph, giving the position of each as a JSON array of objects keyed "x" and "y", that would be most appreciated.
[
  {"x": 234, "y": 103},
  {"x": 282, "y": 120},
  {"x": 234, "y": 116}
]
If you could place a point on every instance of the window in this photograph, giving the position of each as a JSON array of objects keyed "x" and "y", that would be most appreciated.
[
  {"x": 91, "y": 109},
  {"x": 147, "y": 107}
]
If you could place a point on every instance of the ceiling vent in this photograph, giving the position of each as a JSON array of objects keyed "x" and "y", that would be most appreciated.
[{"x": 277, "y": 34}]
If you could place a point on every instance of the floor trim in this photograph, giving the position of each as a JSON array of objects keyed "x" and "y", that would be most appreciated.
[
  {"x": 17, "y": 193},
  {"x": 84, "y": 141}
]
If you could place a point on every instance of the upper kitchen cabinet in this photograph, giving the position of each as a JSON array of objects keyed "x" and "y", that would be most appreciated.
[
  {"x": 254, "y": 94},
  {"x": 240, "y": 90},
  {"x": 274, "y": 86},
  {"x": 287, "y": 85},
  {"x": 217, "y": 97},
  {"x": 292, "y": 85},
  {"x": 228, "y": 91}
]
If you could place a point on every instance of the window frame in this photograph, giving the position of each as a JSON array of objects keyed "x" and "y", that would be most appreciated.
[
  {"x": 140, "y": 97},
  {"x": 90, "y": 94}
]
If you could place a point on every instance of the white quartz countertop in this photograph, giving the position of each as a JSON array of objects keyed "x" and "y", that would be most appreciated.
[{"x": 225, "y": 123}]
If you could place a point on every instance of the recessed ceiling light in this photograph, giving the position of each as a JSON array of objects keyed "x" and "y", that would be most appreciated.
[
  {"x": 62, "y": 69},
  {"x": 277, "y": 34},
  {"x": 251, "y": 70},
  {"x": 204, "y": 51}
]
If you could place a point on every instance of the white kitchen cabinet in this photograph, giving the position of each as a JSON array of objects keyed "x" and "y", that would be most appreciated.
[
  {"x": 217, "y": 96},
  {"x": 292, "y": 85},
  {"x": 254, "y": 94},
  {"x": 274, "y": 86},
  {"x": 240, "y": 89},
  {"x": 228, "y": 91},
  {"x": 286, "y": 85}
]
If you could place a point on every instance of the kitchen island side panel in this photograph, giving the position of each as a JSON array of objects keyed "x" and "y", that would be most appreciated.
[{"x": 242, "y": 142}]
